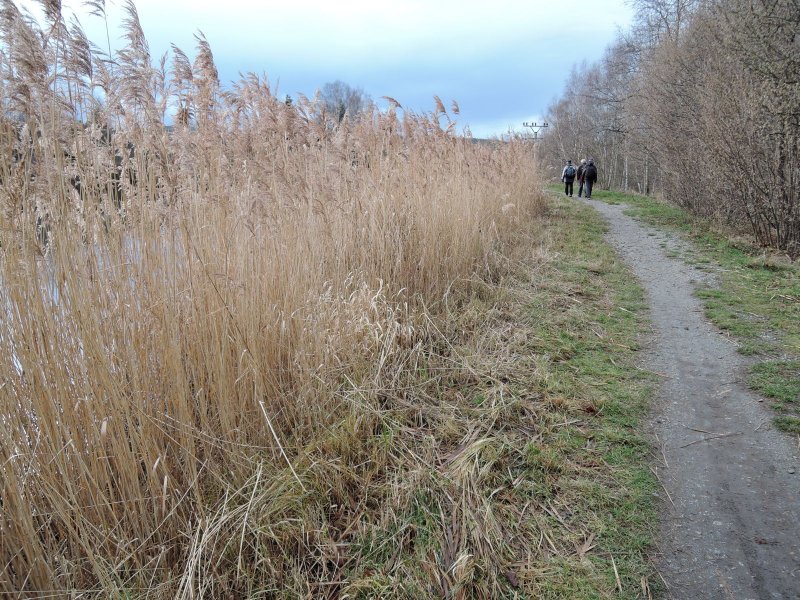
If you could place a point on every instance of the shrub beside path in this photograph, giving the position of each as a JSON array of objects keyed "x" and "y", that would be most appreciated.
[{"x": 731, "y": 520}]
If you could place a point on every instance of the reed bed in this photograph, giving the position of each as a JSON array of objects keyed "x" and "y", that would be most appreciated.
[{"x": 224, "y": 343}]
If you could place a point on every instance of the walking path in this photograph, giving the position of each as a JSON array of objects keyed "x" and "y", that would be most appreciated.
[{"x": 731, "y": 524}]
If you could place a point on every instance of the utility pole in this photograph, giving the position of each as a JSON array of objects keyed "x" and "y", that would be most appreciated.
[{"x": 536, "y": 128}]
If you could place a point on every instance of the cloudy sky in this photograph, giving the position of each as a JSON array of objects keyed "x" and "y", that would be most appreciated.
[{"x": 503, "y": 61}]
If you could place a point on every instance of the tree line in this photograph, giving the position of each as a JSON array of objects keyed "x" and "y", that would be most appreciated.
[{"x": 698, "y": 101}]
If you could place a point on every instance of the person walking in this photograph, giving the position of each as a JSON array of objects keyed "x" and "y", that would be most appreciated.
[
  {"x": 568, "y": 176},
  {"x": 581, "y": 169},
  {"x": 589, "y": 177}
]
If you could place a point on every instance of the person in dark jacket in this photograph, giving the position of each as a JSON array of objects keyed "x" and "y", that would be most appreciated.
[
  {"x": 581, "y": 169},
  {"x": 568, "y": 176},
  {"x": 589, "y": 177}
]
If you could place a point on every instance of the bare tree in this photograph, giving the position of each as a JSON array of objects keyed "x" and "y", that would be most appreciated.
[
  {"x": 660, "y": 20},
  {"x": 700, "y": 100},
  {"x": 340, "y": 100}
]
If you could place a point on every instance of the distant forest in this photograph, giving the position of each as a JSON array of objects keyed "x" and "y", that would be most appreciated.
[{"x": 699, "y": 101}]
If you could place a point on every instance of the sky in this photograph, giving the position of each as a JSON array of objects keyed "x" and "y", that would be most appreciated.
[{"x": 503, "y": 61}]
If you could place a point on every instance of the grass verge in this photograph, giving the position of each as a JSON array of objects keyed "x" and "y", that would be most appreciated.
[
  {"x": 551, "y": 455},
  {"x": 756, "y": 300},
  {"x": 588, "y": 315}
]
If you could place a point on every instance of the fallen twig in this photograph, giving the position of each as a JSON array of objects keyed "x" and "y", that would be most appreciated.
[
  {"x": 701, "y": 430},
  {"x": 713, "y": 437},
  {"x": 760, "y": 425},
  {"x": 663, "y": 486},
  {"x": 616, "y": 573},
  {"x": 663, "y": 451},
  {"x": 664, "y": 581}
]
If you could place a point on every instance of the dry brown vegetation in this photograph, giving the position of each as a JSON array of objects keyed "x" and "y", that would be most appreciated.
[
  {"x": 699, "y": 101},
  {"x": 225, "y": 351}
]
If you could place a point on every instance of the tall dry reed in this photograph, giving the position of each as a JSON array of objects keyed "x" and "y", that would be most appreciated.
[{"x": 209, "y": 330}]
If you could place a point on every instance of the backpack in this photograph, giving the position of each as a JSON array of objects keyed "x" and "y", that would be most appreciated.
[
  {"x": 590, "y": 173},
  {"x": 570, "y": 172}
]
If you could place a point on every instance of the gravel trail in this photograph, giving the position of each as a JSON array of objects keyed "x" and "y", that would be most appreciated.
[{"x": 731, "y": 519}]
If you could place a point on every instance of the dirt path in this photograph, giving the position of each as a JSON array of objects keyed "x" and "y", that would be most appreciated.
[{"x": 731, "y": 528}]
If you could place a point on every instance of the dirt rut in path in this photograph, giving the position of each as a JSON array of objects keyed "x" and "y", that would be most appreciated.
[{"x": 731, "y": 528}]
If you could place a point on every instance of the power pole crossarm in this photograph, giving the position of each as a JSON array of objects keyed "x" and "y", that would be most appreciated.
[{"x": 536, "y": 128}]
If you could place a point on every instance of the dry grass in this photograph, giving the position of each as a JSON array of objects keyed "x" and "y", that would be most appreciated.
[{"x": 228, "y": 349}]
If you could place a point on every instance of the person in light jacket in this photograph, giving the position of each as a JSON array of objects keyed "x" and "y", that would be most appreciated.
[{"x": 581, "y": 169}]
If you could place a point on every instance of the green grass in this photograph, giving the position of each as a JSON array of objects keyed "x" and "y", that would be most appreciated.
[
  {"x": 586, "y": 315},
  {"x": 780, "y": 380},
  {"x": 756, "y": 300}
]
